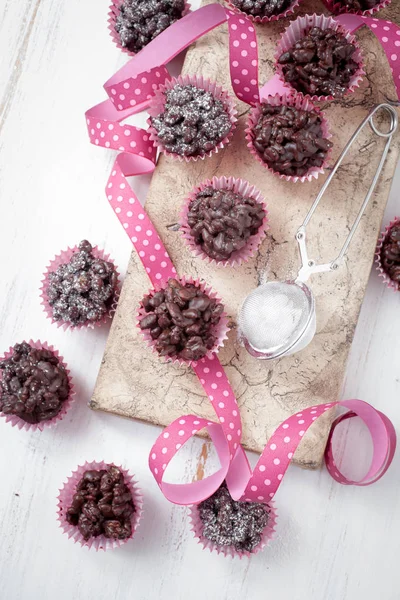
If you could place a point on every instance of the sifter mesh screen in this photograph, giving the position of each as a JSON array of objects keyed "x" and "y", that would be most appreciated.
[{"x": 274, "y": 316}]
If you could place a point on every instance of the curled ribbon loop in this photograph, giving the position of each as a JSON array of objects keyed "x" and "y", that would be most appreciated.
[
  {"x": 262, "y": 484},
  {"x": 130, "y": 91},
  {"x": 383, "y": 437}
]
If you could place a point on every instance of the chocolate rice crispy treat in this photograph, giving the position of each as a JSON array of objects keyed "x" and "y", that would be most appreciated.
[
  {"x": 33, "y": 384},
  {"x": 181, "y": 319},
  {"x": 228, "y": 522},
  {"x": 358, "y": 4},
  {"x": 262, "y": 8},
  {"x": 390, "y": 254},
  {"x": 140, "y": 21},
  {"x": 222, "y": 221},
  {"x": 289, "y": 140},
  {"x": 193, "y": 121},
  {"x": 83, "y": 289},
  {"x": 102, "y": 505},
  {"x": 320, "y": 63}
]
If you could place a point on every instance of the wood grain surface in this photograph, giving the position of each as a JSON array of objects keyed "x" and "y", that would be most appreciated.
[
  {"x": 135, "y": 383},
  {"x": 333, "y": 542}
]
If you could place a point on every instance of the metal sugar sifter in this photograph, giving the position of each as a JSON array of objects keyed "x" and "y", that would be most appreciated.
[{"x": 278, "y": 318}]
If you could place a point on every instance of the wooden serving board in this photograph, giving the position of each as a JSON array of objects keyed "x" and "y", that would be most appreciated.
[{"x": 133, "y": 382}]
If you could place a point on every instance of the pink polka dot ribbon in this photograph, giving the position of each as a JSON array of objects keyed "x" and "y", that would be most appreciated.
[
  {"x": 388, "y": 34},
  {"x": 243, "y": 54},
  {"x": 136, "y": 222},
  {"x": 261, "y": 484},
  {"x": 137, "y": 90}
]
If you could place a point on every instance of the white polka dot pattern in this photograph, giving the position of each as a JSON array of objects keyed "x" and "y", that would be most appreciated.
[
  {"x": 217, "y": 387},
  {"x": 275, "y": 460},
  {"x": 243, "y": 53},
  {"x": 137, "y": 90},
  {"x": 138, "y": 225}
]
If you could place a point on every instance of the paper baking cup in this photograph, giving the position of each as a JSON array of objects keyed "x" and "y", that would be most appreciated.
[
  {"x": 157, "y": 104},
  {"x": 60, "y": 259},
  {"x": 219, "y": 330},
  {"x": 286, "y": 13},
  {"x": 337, "y": 8},
  {"x": 20, "y": 423},
  {"x": 112, "y": 18},
  {"x": 297, "y": 30},
  {"x": 196, "y": 526},
  {"x": 382, "y": 273},
  {"x": 65, "y": 499},
  {"x": 301, "y": 103},
  {"x": 239, "y": 186}
]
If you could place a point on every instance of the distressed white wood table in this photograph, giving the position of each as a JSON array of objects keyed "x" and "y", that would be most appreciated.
[{"x": 333, "y": 542}]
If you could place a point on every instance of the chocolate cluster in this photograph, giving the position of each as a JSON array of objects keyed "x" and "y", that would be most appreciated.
[
  {"x": 33, "y": 384},
  {"x": 221, "y": 221},
  {"x": 139, "y": 21},
  {"x": 289, "y": 140},
  {"x": 102, "y": 505},
  {"x": 320, "y": 63},
  {"x": 182, "y": 320},
  {"x": 193, "y": 121},
  {"x": 82, "y": 289},
  {"x": 390, "y": 254},
  {"x": 359, "y": 5},
  {"x": 228, "y": 522},
  {"x": 262, "y": 8}
]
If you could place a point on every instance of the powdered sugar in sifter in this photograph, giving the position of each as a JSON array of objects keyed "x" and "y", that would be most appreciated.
[{"x": 278, "y": 318}]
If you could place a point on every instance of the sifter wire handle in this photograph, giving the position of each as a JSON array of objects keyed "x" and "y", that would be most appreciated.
[{"x": 308, "y": 266}]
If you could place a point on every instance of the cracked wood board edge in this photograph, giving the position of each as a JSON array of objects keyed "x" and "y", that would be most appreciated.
[{"x": 133, "y": 382}]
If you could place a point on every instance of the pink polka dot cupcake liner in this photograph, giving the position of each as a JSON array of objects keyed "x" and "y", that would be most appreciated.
[
  {"x": 301, "y": 103},
  {"x": 297, "y": 30},
  {"x": 337, "y": 8},
  {"x": 239, "y": 186},
  {"x": 393, "y": 285},
  {"x": 196, "y": 526},
  {"x": 286, "y": 13},
  {"x": 219, "y": 331},
  {"x": 112, "y": 17},
  {"x": 157, "y": 104},
  {"x": 64, "y": 500},
  {"x": 60, "y": 259},
  {"x": 16, "y": 421}
]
